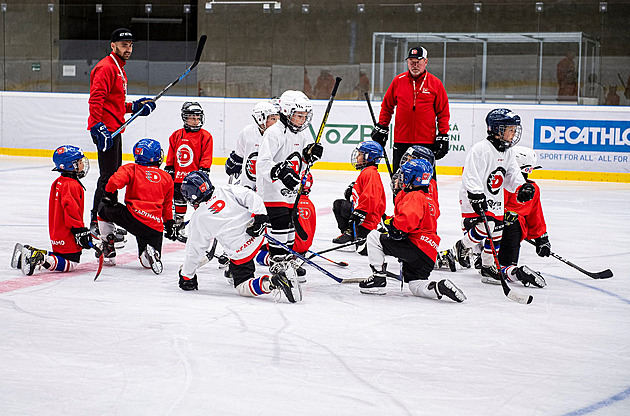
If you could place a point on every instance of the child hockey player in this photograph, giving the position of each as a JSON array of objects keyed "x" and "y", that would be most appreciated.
[
  {"x": 265, "y": 114},
  {"x": 490, "y": 167},
  {"x": 285, "y": 151},
  {"x": 148, "y": 209},
  {"x": 523, "y": 220},
  {"x": 190, "y": 148},
  {"x": 358, "y": 217},
  {"x": 226, "y": 214},
  {"x": 68, "y": 234},
  {"x": 411, "y": 237}
]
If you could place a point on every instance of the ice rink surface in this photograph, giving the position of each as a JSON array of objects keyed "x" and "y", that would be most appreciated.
[{"x": 133, "y": 343}]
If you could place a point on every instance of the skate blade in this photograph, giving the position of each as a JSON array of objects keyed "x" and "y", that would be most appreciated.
[
  {"x": 109, "y": 261},
  {"x": 490, "y": 281},
  {"x": 373, "y": 291},
  {"x": 296, "y": 288},
  {"x": 17, "y": 254}
]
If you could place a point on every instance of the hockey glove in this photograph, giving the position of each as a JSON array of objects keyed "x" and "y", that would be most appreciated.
[
  {"x": 379, "y": 134},
  {"x": 510, "y": 218},
  {"x": 83, "y": 237},
  {"x": 441, "y": 146},
  {"x": 170, "y": 170},
  {"x": 101, "y": 137},
  {"x": 261, "y": 221},
  {"x": 145, "y": 105},
  {"x": 233, "y": 164},
  {"x": 357, "y": 217},
  {"x": 393, "y": 232},
  {"x": 543, "y": 246},
  {"x": 348, "y": 192},
  {"x": 205, "y": 170},
  {"x": 478, "y": 202},
  {"x": 170, "y": 230},
  {"x": 313, "y": 152},
  {"x": 286, "y": 174},
  {"x": 526, "y": 193}
]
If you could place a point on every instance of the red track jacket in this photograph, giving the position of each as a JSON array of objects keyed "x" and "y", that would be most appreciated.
[{"x": 108, "y": 90}]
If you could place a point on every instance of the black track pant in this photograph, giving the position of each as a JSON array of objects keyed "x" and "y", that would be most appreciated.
[{"x": 108, "y": 163}]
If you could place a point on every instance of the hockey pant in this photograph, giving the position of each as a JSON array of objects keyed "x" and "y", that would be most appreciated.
[
  {"x": 416, "y": 265},
  {"x": 245, "y": 282},
  {"x": 119, "y": 214},
  {"x": 108, "y": 163},
  {"x": 475, "y": 236},
  {"x": 282, "y": 229}
]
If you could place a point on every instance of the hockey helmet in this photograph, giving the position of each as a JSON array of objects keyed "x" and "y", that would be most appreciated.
[
  {"x": 526, "y": 159},
  {"x": 371, "y": 153},
  {"x": 416, "y": 172},
  {"x": 308, "y": 183},
  {"x": 70, "y": 159},
  {"x": 196, "y": 187},
  {"x": 148, "y": 152},
  {"x": 504, "y": 128},
  {"x": 292, "y": 102},
  {"x": 418, "y": 152},
  {"x": 191, "y": 108},
  {"x": 262, "y": 111}
]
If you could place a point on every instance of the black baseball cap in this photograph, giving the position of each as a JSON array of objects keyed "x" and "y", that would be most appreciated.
[
  {"x": 121, "y": 34},
  {"x": 418, "y": 52}
]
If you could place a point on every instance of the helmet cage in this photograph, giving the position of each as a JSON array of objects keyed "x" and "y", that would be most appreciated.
[
  {"x": 67, "y": 159},
  {"x": 372, "y": 153},
  {"x": 190, "y": 108},
  {"x": 418, "y": 152}
]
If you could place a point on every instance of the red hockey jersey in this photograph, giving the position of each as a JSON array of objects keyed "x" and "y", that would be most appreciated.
[
  {"x": 416, "y": 214},
  {"x": 108, "y": 91},
  {"x": 308, "y": 220},
  {"x": 189, "y": 151},
  {"x": 530, "y": 213},
  {"x": 149, "y": 193},
  {"x": 368, "y": 195},
  {"x": 65, "y": 211}
]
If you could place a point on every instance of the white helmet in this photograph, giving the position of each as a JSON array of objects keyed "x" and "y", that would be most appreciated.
[
  {"x": 290, "y": 102},
  {"x": 526, "y": 159},
  {"x": 262, "y": 111}
]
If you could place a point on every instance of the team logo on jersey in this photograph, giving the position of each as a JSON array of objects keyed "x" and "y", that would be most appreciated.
[
  {"x": 495, "y": 180},
  {"x": 250, "y": 167},
  {"x": 304, "y": 213},
  {"x": 217, "y": 206},
  {"x": 184, "y": 155},
  {"x": 152, "y": 176}
]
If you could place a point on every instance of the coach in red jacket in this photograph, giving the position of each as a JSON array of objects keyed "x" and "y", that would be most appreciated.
[
  {"x": 108, "y": 106},
  {"x": 419, "y": 99}
]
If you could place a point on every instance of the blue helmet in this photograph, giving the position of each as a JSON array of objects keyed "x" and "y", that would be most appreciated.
[
  {"x": 196, "y": 187},
  {"x": 504, "y": 128},
  {"x": 68, "y": 158},
  {"x": 418, "y": 152},
  {"x": 372, "y": 153},
  {"x": 416, "y": 172},
  {"x": 148, "y": 152}
]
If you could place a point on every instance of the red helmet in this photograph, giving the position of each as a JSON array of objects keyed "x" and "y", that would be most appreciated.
[{"x": 307, "y": 185}]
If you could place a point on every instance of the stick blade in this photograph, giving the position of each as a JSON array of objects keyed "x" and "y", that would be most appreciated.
[
  {"x": 101, "y": 258},
  {"x": 606, "y": 274},
  {"x": 200, "y": 46},
  {"x": 517, "y": 297}
]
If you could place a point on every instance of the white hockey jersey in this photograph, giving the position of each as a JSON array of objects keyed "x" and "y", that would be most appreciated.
[
  {"x": 225, "y": 217},
  {"x": 247, "y": 146},
  {"x": 489, "y": 171},
  {"x": 279, "y": 144}
]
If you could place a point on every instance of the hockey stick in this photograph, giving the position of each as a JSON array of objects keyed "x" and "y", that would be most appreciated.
[
  {"x": 101, "y": 259},
  {"x": 304, "y": 259},
  {"x": 599, "y": 275},
  {"x": 300, "y": 231},
  {"x": 359, "y": 241},
  {"x": 200, "y": 45},
  {"x": 525, "y": 299},
  {"x": 336, "y": 263},
  {"x": 208, "y": 256},
  {"x": 389, "y": 167}
]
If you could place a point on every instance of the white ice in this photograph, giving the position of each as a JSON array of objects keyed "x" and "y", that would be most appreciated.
[{"x": 133, "y": 343}]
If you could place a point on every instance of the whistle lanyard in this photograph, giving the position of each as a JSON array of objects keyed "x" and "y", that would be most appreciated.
[
  {"x": 415, "y": 91},
  {"x": 122, "y": 76}
]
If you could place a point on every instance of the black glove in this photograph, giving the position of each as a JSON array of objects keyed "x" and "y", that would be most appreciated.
[
  {"x": 205, "y": 170},
  {"x": 313, "y": 152},
  {"x": 348, "y": 192},
  {"x": 510, "y": 217},
  {"x": 358, "y": 216},
  {"x": 83, "y": 237},
  {"x": 170, "y": 230},
  {"x": 478, "y": 202},
  {"x": 261, "y": 221},
  {"x": 108, "y": 198},
  {"x": 145, "y": 105},
  {"x": 393, "y": 232},
  {"x": 233, "y": 164},
  {"x": 101, "y": 137},
  {"x": 170, "y": 170},
  {"x": 441, "y": 146},
  {"x": 379, "y": 134},
  {"x": 286, "y": 174},
  {"x": 526, "y": 193},
  {"x": 543, "y": 246}
]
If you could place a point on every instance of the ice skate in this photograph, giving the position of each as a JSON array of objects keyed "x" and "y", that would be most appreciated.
[
  {"x": 223, "y": 260},
  {"x": 447, "y": 288},
  {"x": 109, "y": 250},
  {"x": 284, "y": 265},
  {"x": 376, "y": 283},
  {"x": 32, "y": 258},
  {"x": 446, "y": 259},
  {"x": 279, "y": 281},
  {"x": 16, "y": 259},
  {"x": 228, "y": 276},
  {"x": 461, "y": 254},
  {"x": 528, "y": 277},
  {"x": 152, "y": 257},
  {"x": 190, "y": 284},
  {"x": 345, "y": 237},
  {"x": 490, "y": 275}
]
